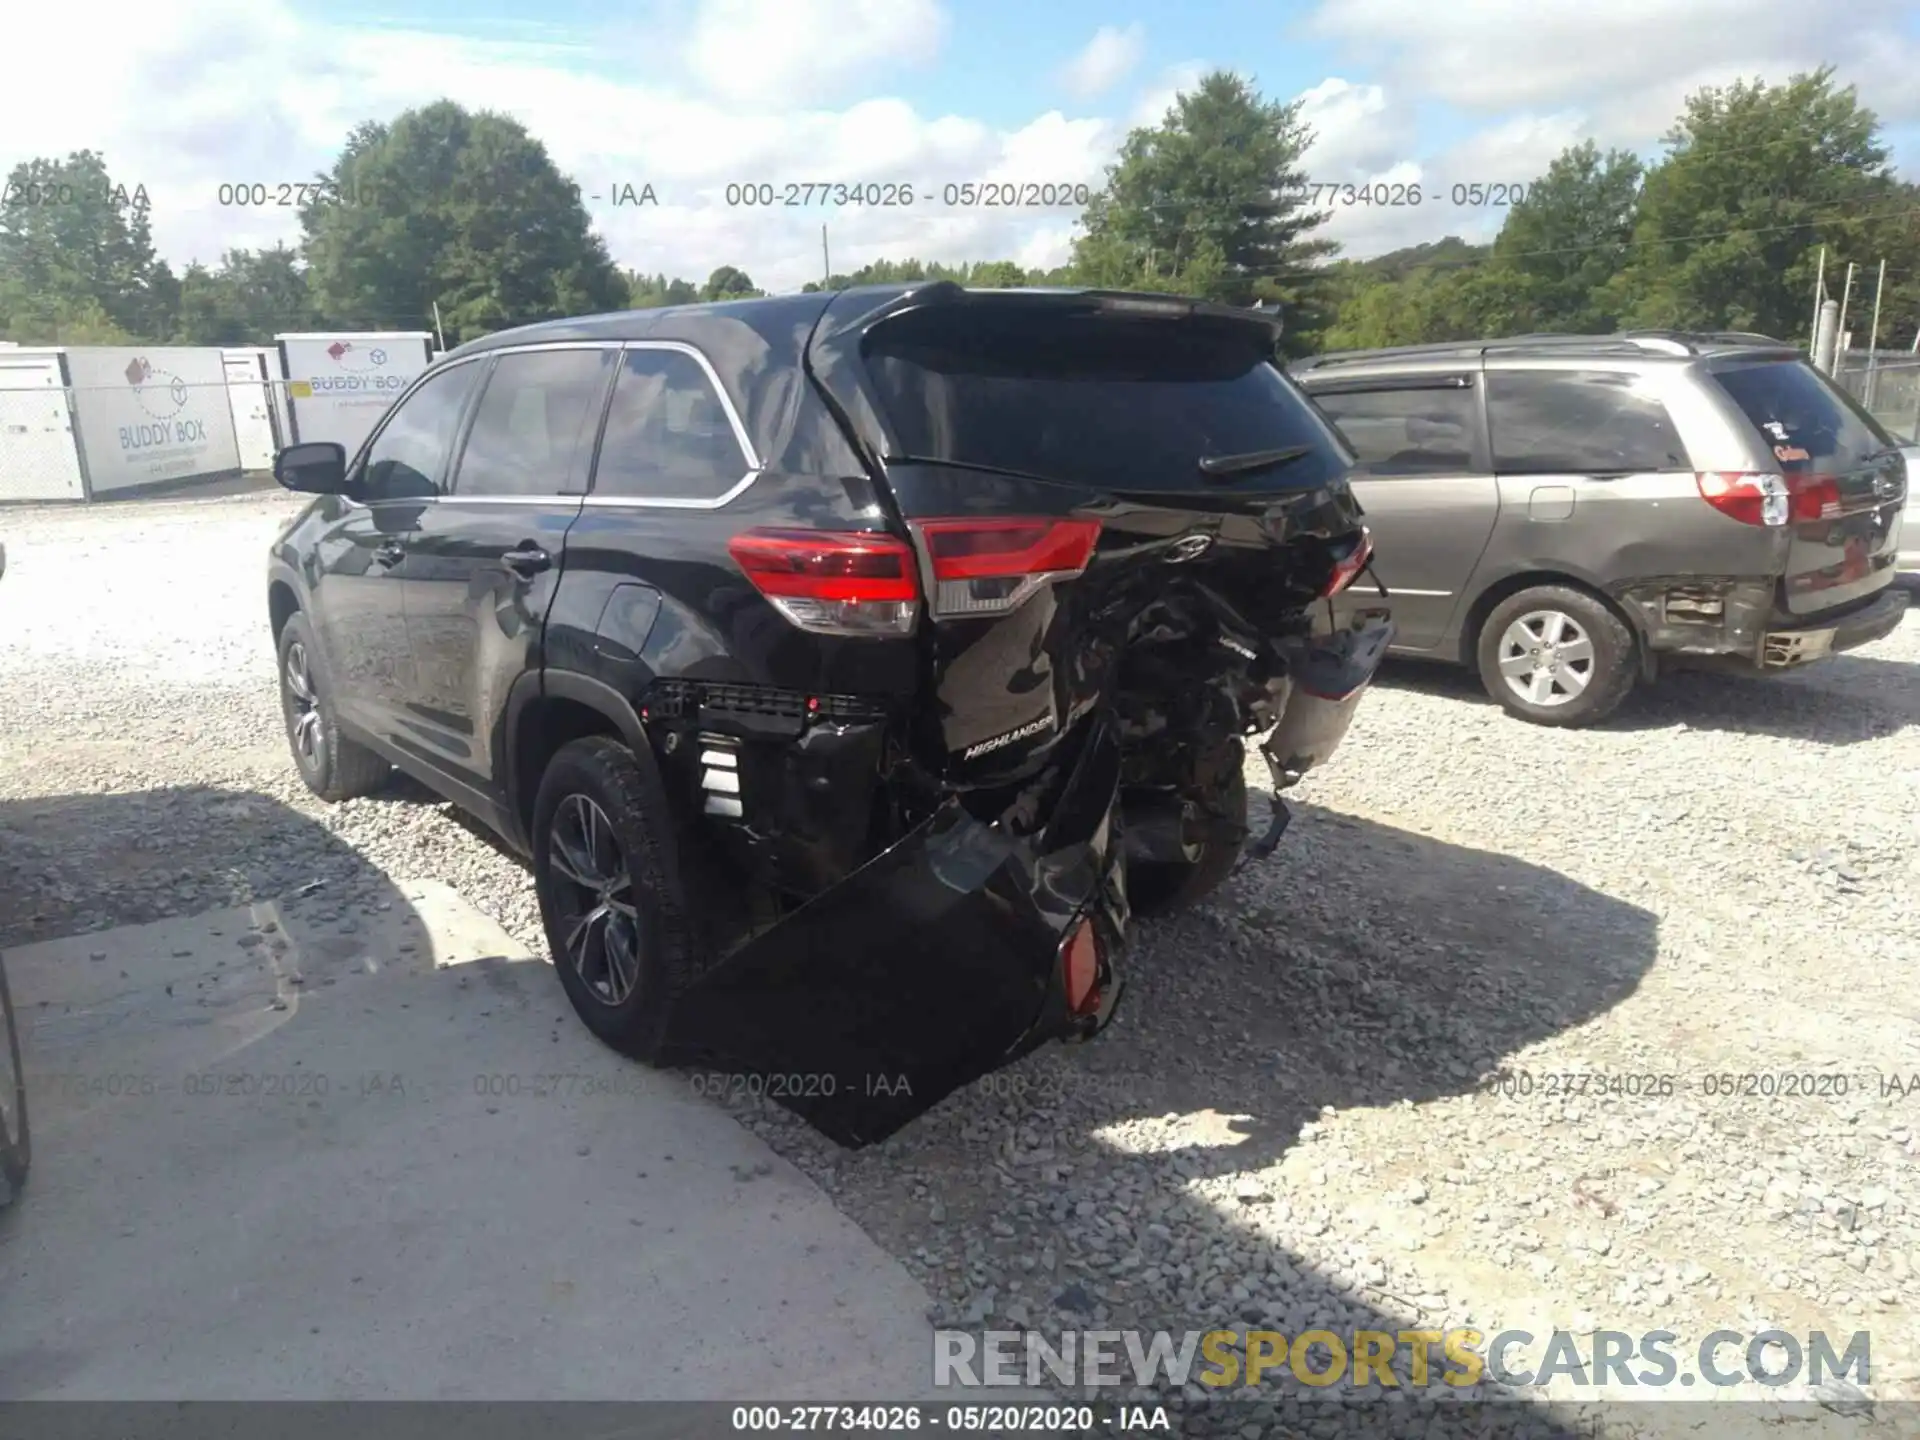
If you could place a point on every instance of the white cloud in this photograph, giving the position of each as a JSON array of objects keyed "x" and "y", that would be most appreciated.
[
  {"x": 1107, "y": 60},
  {"x": 773, "y": 53},
  {"x": 1632, "y": 61},
  {"x": 1357, "y": 130}
]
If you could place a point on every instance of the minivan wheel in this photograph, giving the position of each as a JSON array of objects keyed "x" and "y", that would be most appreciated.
[
  {"x": 1156, "y": 887},
  {"x": 607, "y": 873},
  {"x": 1556, "y": 656},
  {"x": 334, "y": 767}
]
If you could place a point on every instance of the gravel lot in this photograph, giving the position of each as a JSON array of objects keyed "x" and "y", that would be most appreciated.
[{"x": 1288, "y": 1125}]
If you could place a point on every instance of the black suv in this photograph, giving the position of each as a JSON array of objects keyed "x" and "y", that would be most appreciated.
[{"x": 848, "y": 665}]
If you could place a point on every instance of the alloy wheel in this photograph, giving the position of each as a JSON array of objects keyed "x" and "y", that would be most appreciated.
[
  {"x": 599, "y": 927},
  {"x": 304, "y": 722},
  {"x": 1546, "y": 658}
]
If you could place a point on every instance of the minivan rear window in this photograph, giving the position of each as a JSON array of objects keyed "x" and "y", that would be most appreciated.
[
  {"x": 1807, "y": 419},
  {"x": 1111, "y": 402}
]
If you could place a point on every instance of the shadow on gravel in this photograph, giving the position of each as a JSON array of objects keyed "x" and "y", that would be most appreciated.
[
  {"x": 1362, "y": 967},
  {"x": 86, "y": 862},
  {"x": 1842, "y": 700}
]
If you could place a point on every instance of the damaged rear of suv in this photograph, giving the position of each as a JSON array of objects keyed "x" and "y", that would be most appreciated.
[{"x": 851, "y": 667}]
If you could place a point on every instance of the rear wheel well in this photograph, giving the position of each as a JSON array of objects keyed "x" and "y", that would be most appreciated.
[
  {"x": 545, "y": 726},
  {"x": 282, "y": 606},
  {"x": 1513, "y": 585}
]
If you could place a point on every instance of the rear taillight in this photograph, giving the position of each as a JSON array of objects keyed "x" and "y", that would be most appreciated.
[
  {"x": 1814, "y": 497},
  {"x": 1749, "y": 497},
  {"x": 833, "y": 582},
  {"x": 989, "y": 567},
  {"x": 1080, "y": 969},
  {"x": 1347, "y": 568}
]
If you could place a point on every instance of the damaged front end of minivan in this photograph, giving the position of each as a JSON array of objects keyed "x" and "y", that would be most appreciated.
[{"x": 1108, "y": 533}]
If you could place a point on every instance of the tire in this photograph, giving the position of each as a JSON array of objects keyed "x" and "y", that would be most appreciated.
[
  {"x": 1595, "y": 668},
  {"x": 1158, "y": 887},
  {"x": 647, "y": 920},
  {"x": 16, "y": 1138},
  {"x": 333, "y": 767}
]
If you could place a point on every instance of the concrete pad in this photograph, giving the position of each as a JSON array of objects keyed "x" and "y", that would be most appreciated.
[{"x": 322, "y": 1166}]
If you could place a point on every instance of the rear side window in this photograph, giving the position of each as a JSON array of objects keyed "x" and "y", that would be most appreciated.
[
  {"x": 668, "y": 436},
  {"x": 1603, "y": 422},
  {"x": 1406, "y": 431},
  {"x": 534, "y": 421},
  {"x": 1805, "y": 418},
  {"x": 1108, "y": 402}
]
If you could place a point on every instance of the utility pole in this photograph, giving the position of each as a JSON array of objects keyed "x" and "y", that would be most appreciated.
[
  {"x": 1819, "y": 294},
  {"x": 1840, "y": 326},
  {"x": 826, "y": 265},
  {"x": 1873, "y": 338}
]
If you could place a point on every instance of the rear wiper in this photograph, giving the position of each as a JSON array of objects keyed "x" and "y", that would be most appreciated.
[{"x": 1252, "y": 460}]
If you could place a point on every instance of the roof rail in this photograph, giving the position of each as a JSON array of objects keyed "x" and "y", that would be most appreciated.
[
  {"x": 1618, "y": 344},
  {"x": 1665, "y": 342}
]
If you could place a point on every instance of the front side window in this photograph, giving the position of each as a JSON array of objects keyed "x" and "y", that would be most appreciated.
[
  {"x": 667, "y": 435},
  {"x": 534, "y": 422},
  {"x": 409, "y": 456},
  {"x": 1594, "y": 422},
  {"x": 1402, "y": 431}
]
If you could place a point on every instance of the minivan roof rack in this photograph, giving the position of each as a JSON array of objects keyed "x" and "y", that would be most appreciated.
[{"x": 1630, "y": 342}]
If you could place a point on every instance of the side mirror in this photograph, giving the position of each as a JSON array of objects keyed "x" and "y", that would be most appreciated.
[{"x": 318, "y": 468}]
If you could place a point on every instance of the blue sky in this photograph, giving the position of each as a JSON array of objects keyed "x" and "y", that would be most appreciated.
[{"x": 693, "y": 94}]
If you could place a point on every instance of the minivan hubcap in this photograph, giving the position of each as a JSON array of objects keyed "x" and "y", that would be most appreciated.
[
  {"x": 599, "y": 927},
  {"x": 1546, "y": 658},
  {"x": 305, "y": 705}
]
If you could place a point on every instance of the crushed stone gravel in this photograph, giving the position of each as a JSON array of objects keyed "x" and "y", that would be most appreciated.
[{"x": 1520, "y": 1028}]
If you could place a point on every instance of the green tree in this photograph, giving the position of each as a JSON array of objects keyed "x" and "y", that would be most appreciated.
[
  {"x": 460, "y": 207},
  {"x": 1560, "y": 247},
  {"x": 77, "y": 258},
  {"x": 729, "y": 283},
  {"x": 1209, "y": 202},
  {"x": 650, "y": 292},
  {"x": 249, "y": 298},
  {"x": 1758, "y": 177}
]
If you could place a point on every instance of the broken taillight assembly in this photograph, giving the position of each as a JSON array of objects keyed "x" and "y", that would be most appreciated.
[
  {"x": 1752, "y": 498},
  {"x": 1080, "y": 969},
  {"x": 985, "y": 567},
  {"x": 1347, "y": 568},
  {"x": 868, "y": 583},
  {"x": 833, "y": 582}
]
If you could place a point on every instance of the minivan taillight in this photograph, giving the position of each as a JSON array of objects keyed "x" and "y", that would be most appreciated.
[
  {"x": 986, "y": 567},
  {"x": 1815, "y": 497},
  {"x": 1752, "y": 498},
  {"x": 1347, "y": 568},
  {"x": 833, "y": 582}
]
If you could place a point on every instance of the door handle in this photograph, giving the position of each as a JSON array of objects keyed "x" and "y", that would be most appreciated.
[
  {"x": 391, "y": 553},
  {"x": 527, "y": 559}
]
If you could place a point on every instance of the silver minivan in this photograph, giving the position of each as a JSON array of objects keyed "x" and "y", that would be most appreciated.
[{"x": 1570, "y": 514}]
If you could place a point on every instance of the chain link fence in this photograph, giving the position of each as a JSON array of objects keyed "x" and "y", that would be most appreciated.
[{"x": 1887, "y": 382}]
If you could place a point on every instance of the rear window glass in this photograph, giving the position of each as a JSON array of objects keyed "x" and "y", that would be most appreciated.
[
  {"x": 1805, "y": 418},
  {"x": 1407, "y": 431},
  {"x": 1592, "y": 422},
  {"x": 1120, "y": 403}
]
